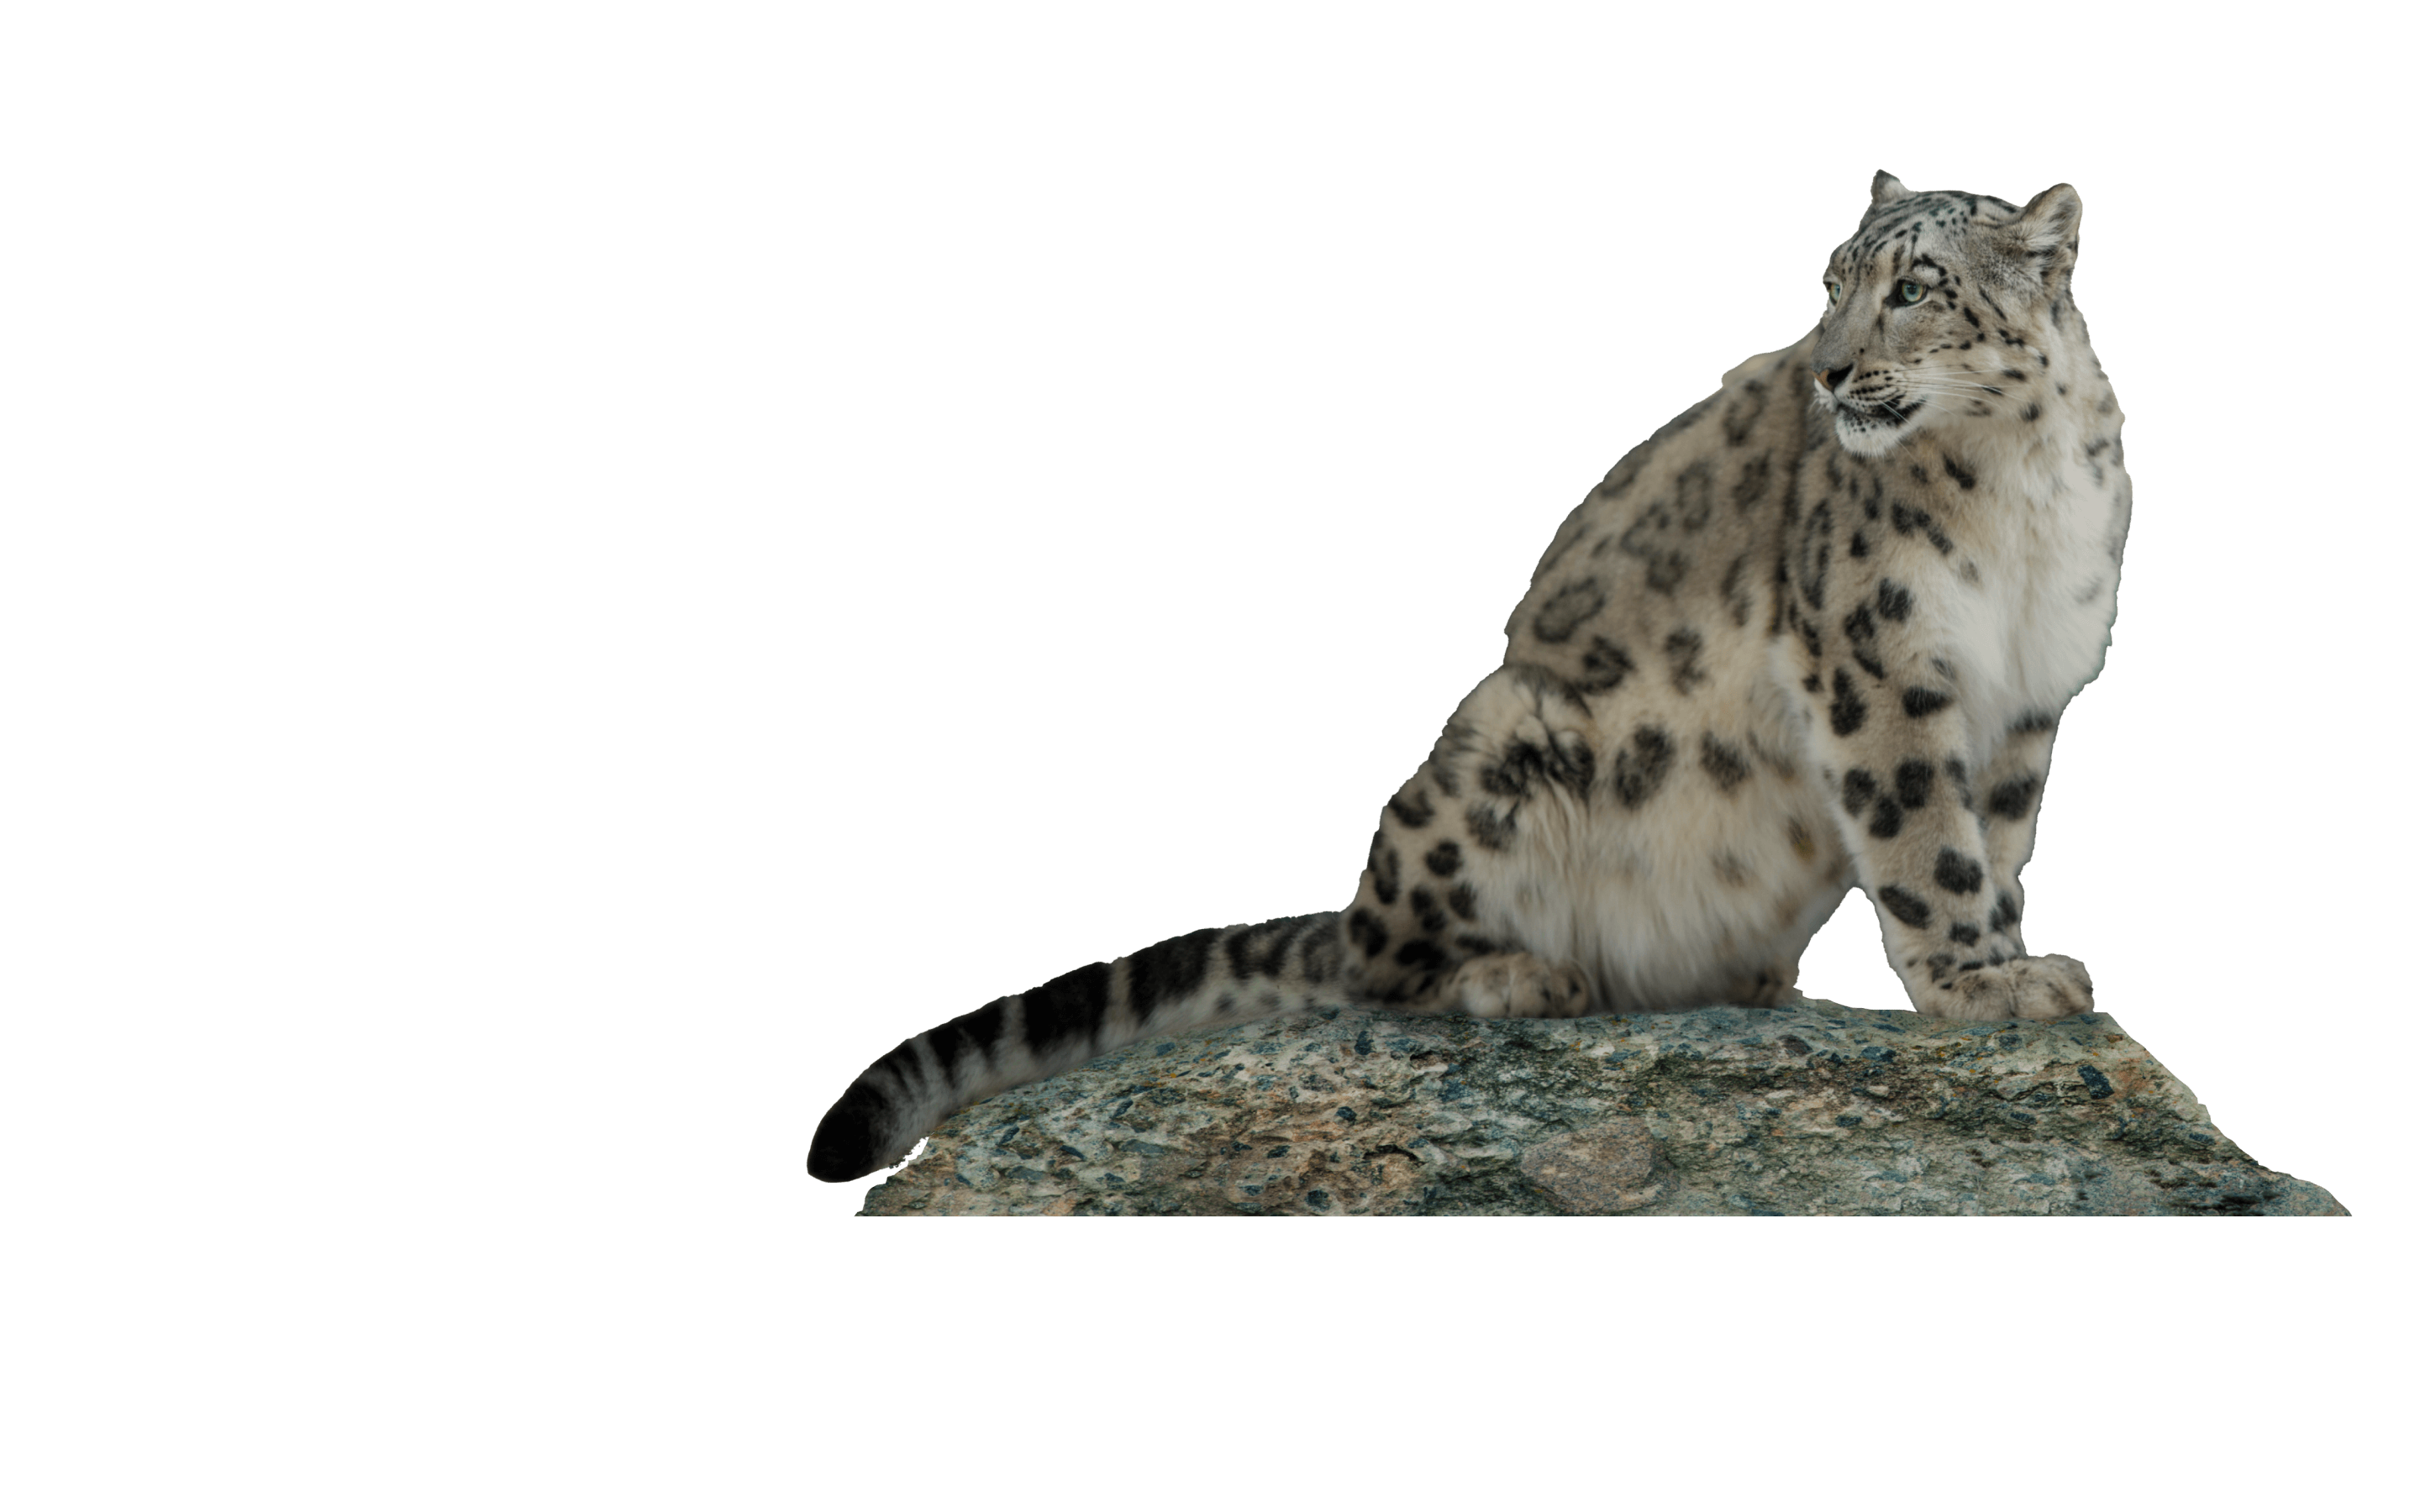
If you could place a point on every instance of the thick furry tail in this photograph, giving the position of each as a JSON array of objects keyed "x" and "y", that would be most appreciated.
[{"x": 1209, "y": 977}]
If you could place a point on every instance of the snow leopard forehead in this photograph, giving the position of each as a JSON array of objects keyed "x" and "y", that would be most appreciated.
[{"x": 1900, "y": 227}]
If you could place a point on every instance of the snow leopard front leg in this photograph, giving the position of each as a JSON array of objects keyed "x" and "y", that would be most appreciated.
[
  {"x": 2008, "y": 799},
  {"x": 1885, "y": 726}
]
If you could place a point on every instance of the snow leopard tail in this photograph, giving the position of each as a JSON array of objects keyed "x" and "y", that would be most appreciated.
[{"x": 1193, "y": 981}]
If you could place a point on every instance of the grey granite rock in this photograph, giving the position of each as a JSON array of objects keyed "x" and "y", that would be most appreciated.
[{"x": 1813, "y": 1109}]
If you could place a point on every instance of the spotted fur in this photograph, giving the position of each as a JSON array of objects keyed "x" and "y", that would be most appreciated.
[{"x": 1815, "y": 633}]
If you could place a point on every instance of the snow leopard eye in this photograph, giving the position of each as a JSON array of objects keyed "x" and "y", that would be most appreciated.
[
  {"x": 1831, "y": 293},
  {"x": 1911, "y": 292}
]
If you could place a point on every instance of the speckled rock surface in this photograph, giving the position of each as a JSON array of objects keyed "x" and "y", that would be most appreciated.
[{"x": 1813, "y": 1109}]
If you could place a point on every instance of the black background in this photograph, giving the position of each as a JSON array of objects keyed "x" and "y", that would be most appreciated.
[{"x": 1194, "y": 484}]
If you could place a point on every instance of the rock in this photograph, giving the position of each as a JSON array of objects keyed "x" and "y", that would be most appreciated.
[{"x": 1813, "y": 1109}]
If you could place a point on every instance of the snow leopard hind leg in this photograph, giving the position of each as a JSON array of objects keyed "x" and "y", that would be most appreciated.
[
  {"x": 1555, "y": 856},
  {"x": 1415, "y": 938}
]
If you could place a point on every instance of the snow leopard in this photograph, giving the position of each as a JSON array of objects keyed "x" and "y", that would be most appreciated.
[{"x": 1814, "y": 634}]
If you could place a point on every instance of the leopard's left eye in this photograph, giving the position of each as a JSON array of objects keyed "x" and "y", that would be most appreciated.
[{"x": 1911, "y": 292}]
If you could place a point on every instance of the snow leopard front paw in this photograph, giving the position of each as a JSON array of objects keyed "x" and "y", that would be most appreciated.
[
  {"x": 2040, "y": 987},
  {"x": 1518, "y": 986}
]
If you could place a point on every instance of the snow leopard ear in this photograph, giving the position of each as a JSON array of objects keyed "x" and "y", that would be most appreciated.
[
  {"x": 2046, "y": 230},
  {"x": 1887, "y": 189}
]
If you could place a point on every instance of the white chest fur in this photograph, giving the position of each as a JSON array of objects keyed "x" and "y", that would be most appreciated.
[{"x": 2032, "y": 591}]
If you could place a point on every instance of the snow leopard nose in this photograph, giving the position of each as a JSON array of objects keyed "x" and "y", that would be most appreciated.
[{"x": 1831, "y": 378}]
